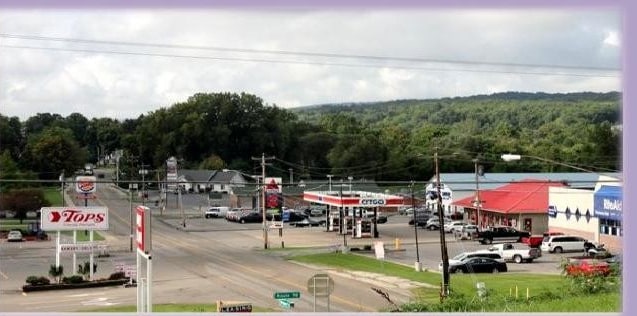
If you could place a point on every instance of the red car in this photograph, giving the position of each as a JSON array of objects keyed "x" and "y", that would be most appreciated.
[{"x": 588, "y": 268}]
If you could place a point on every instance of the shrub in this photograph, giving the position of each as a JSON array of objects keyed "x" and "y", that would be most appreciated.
[
  {"x": 367, "y": 247},
  {"x": 38, "y": 280},
  {"x": 74, "y": 279},
  {"x": 56, "y": 272},
  {"x": 117, "y": 276}
]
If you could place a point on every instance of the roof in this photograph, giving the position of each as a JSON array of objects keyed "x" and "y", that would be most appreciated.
[
  {"x": 526, "y": 196},
  {"x": 197, "y": 176},
  {"x": 467, "y": 181}
]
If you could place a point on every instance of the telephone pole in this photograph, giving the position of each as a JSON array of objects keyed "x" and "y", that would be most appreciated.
[
  {"x": 444, "y": 291},
  {"x": 263, "y": 158}
]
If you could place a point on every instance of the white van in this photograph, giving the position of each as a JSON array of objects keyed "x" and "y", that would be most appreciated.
[
  {"x": 216, "y": 211},
  {"x": 561, "y": 243}
]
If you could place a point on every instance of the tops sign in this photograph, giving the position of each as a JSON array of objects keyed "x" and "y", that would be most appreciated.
[
  {"x": 85, "y": 184},
  {"x": 74, "y": 218}
]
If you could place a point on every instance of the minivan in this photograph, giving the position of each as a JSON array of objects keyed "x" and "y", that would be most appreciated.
[
  {"x": 217, "y": 211},
  {"x": 562, "y": 243}
]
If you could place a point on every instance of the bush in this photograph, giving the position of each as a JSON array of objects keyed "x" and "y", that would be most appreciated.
[
  {"x": 38, "y": 280},
  {"x": 117, "y": 275},
  {"x": 367, "y": 247},
  {"x": 74, "y": 279}
]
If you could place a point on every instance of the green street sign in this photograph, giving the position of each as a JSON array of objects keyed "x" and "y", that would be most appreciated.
[{"x": 286, "y": 295}]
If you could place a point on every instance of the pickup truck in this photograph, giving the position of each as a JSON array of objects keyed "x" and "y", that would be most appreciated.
[
  {"x": 509, "y": 253},
  {"x": 501, "y": 234}
]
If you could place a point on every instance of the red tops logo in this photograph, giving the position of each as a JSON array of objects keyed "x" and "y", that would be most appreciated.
[{"x": 75, "y": 216}]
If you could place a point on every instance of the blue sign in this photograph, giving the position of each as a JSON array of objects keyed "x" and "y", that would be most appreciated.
[
  {"x": 552, "y": 211},
  {"x": 608, "y": 203}
]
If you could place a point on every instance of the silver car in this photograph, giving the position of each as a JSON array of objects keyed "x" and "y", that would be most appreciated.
[{"x": 14, "y": 235}]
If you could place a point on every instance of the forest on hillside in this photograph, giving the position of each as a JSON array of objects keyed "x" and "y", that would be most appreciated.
[{"x": 383, "y": 141}]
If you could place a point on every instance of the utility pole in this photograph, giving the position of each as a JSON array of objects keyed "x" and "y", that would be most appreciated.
[
  {"x": 417, "y": 265},
  {"x": 477, "y": 201},
  {"x": 329, "y": 176},
  {"x": 291, "y": 176},
  {"x": 265, "y": 227},
  {"x": 444, "y": 291}
]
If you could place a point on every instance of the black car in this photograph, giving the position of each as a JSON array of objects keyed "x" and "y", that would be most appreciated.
[
  {"x": 251, "y": 217},
  {"x": 382, "y": 219},
  {"x": 308, "y": 222},
  {"x": 478, "y": 265}
]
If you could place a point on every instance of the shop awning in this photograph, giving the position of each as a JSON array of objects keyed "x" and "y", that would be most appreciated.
[{"x": 608, "y": 203}]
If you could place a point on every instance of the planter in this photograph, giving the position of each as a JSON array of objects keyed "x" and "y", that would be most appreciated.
[{"x": 83, "y": 285}]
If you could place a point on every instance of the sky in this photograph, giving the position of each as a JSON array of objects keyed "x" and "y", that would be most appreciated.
[{"x": 122, "y": 63}]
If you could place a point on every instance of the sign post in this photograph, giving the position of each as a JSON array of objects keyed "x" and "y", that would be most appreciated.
[
  {"x": 321, "y": 284},
  {"x": 144, "y": 302}
]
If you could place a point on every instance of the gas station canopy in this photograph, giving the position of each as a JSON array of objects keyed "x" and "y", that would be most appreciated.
[{"x": 353, "y": 199}]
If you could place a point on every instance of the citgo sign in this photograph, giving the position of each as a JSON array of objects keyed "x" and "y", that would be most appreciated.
[
  {"x": 74, "y": 218},
  {"x": 372, "y": 202}
]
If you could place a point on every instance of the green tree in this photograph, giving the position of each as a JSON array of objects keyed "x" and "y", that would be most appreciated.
[
  {"x": 22, "y": 201},
  {"x": 56, "y": 272},
  {"x": 53, "y": 151}
]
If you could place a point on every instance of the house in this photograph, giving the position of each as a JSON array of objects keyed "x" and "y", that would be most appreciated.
[{"x": 200, "y": 181}]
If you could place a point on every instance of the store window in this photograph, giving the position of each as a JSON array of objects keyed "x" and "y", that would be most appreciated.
[{"x": 610, "y": 227}]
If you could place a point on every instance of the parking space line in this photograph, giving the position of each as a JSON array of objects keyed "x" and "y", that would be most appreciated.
[{"x": 4, "y": 275}]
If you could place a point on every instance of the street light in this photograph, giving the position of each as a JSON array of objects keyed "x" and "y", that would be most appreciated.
[
  {"x": 329, "y": 176},
  {"x": 350, "y": 178},
  {"x": 512, "y": 157}
]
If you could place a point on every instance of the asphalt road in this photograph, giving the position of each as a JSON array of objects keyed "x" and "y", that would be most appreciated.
[{"x": 212, "y": 259}]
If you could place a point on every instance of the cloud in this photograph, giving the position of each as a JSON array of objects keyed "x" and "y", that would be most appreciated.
[{"x": 253, "y": 51}]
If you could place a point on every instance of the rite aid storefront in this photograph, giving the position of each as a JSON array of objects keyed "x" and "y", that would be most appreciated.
[{"x": 608, "y": 209}]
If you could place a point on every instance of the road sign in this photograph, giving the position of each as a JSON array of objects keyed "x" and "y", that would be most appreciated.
[
  {"x": 286, "y": 295},
  {"x": 286, "y": 303},
  {"x": 82, "y": 247},
  {"x": 234, "y": 308},
  {"x": 320, "y": 284}
]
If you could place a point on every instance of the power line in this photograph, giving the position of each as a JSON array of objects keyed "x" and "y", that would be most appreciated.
[
  {"x": 321, "y": 63},
  {"x": 301, "y": 53}
]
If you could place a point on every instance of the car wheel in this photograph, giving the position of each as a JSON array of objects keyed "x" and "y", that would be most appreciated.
[
  {"x": 460, "y": 270},
  {"x": 558, "y": 249},
  {"x": 495, "y": 270},
  {"x": 243, "y": 221},
  {"x": 517, "y": 259},
  {"x": 489, "y": 241}
]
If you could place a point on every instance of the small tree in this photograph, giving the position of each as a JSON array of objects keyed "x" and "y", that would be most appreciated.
[{"x": 56, "y": 272}]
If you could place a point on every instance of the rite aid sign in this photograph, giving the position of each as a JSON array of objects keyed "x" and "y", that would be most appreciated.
[{"x": 74, "y": 218}]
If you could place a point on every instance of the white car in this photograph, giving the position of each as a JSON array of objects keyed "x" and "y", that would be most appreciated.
[
  {"x": 450, "y": 227},
  {"x": 14, "y": 235},
  {"x": 562, "y": 243}
]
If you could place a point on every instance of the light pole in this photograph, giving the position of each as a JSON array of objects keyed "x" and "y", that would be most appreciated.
[
  {"x": 512, "y": 157},
  {"x": 350, "y": 178},
  {"x": 143, "y": 172},
  {"x": 444, "y": 292},
  {"x": 329, "y": 176},
  {"x": 417, "y": 264}
]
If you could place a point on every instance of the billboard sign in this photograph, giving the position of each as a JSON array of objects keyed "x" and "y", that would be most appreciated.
[
  {"x": 74, "y": 218},
  {"x": 273, "y": 194},
  {"x": 143, "y": 229},
  {"x": 85, "y": 184},
  {"x": 171, "y": 174}
]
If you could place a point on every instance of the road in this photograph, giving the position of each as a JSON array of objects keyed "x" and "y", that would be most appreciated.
[
  {"x": 212, "y": 259},
  {"x": 198, "y": 267}
]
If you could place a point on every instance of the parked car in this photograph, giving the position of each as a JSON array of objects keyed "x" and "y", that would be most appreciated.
[
  {"x": 251, "y": 217},
  {"x": 466, "y": 232},
  {"x": 216, "y": 212},
  {"x": 381, "y": 219},
  {"x": 14, "y": 235},
  {"x": 501, "y": 234},
  {"x": 290, "y": 217},
  {"x": 535, "y": 241},
  {"x": 472, "y": 254},
  {"x": 478, "y": 265},
  {"x": 510, "y": 253},
  {"x": 450, "y": 227},
  {"x": 309, "y": 222},
  {"x": 562, "y": 243}
]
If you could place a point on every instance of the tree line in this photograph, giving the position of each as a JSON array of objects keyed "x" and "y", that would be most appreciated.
[{"x": 381, "y": 141}]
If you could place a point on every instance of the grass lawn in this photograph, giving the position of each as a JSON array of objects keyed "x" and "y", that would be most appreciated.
[
  {"x": 53, "y": 195},
  {"x": 547, "y": 293}
]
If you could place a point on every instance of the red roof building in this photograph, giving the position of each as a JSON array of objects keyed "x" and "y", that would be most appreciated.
[{"x": 522, "y": 204}]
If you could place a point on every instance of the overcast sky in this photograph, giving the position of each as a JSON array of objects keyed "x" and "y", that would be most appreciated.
[{"x": 99, "y": 62}]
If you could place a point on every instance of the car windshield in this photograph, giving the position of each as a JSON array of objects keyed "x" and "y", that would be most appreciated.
[{"x": 460, "y": 256}]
